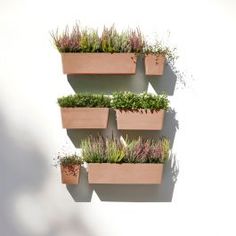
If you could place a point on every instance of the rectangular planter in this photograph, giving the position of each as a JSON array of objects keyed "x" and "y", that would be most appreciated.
[
  {"x": 98, "y": 63},
  {"x": 140, "y": 119},
  {"x": 70, "y": 174},
  {"x": 154, "y": 64},
  {"x": 84, "y": 118},
  {"x": 107, "y": 173}
]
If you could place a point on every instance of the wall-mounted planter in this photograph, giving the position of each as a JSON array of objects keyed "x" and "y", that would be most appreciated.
[
  {"x": 84, "y": 118},
  {"x": 98, "y": 63},
  {"x": 140, "y": 119},
  {"x": 70, "y": 174},
  {"x": 154, "y": 64},
  {"x": 106, "y": 173}
]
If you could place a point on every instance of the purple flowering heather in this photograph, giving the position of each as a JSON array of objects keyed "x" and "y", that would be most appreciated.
[
  {"x": 147, "y": 151},
  {"x": 136, "y": 41}
]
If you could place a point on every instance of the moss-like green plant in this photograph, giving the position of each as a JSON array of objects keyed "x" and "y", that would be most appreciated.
[
  {"x": 84, "y": 100},
  {"x": 131, "y": 101}
]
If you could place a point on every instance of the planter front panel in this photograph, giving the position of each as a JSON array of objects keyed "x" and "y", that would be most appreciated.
[
  {"x": 154, "y": 65},
  {"x": 70, "y": 174},
  {"x": 106, "y": 173},
  {"x": 84, "y": 118},
  {"x": 98, "y": 63},
  {"x": 140, "y": 120}
]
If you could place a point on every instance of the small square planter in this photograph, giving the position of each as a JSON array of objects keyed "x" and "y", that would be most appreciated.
[
  {"x": 70, "y": 174},
  {"x": 140, "y": 119},
  {"x": 154, "y": 64},
  {"x": 98, "y": 63},
  {"x": 126, "y": 173},
  {"x": 84, "y": 118}
]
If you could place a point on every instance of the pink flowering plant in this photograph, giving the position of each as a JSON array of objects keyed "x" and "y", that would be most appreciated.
[{"x": 88, "y": 40}]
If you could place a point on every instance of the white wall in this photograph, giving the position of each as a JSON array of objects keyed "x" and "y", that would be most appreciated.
[{"x": 33, "y": 202}]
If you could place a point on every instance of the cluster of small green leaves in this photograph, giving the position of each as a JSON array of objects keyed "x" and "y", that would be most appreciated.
[
  {"x": 84, "y": 100},
  {"x": 88, "y": 40},
  {"x": 132, "y": 101},
  {"x": 102, "y": 150},
  {"x": 69, "y": 159}
]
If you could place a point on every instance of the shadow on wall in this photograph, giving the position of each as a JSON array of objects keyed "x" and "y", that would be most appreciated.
[
  {"x": 165, "y": 83},
  {"x": 23, "y": 172},
  {"x": 107, "y": 84},
  {"x": 137, "y": 83},
  {"x": 128, "y": 193},
  {"x": 142, "y": 193}
]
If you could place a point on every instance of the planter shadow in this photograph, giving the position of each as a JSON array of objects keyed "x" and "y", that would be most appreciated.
[
  {"x": 164, "y": 83},
  {"x": 142, "y": 193},
  {"x": 170, "y": 127},
  {"x": 81, "y": 192},
  {"x": 107, "y": 84},
  {"x": 76, "y": 135},
  {"x": 24, "y": 172}
]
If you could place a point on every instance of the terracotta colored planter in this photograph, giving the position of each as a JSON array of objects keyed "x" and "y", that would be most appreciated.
[
  {"x": 84, "y": 118},
  {"x": 154, "y": 64},
  {"x": 106, "y": 173},
  {"x": 140, "y": 119},
  {"x": 70, "y": 174},
  {"x": 98, "y": 63}
]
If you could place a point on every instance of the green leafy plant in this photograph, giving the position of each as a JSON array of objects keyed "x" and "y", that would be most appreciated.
[
  {"x": 88, "y": 40},
  {"x": 131, "y": 101},
  {"x": 84, "y": 100},
  {"x": 147, "y": 151}
]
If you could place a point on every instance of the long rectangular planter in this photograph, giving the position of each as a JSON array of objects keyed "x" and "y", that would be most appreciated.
[
  {"x": 84, "y": 118},
  {"x": 140, "y": 119},
  {"x": 98, "y": 63},
  {"x": 70, "y": 174},
  {"x": 107, "y": 173},
  {"x": 154, "y": 64}
]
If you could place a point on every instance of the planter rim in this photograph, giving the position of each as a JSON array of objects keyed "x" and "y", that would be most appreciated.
[
  {"x": 130, "y": 163},
  {"x": 85, "y": 108},
  {"x": 96, "y": 53},
  {"x": 138, "y": 110}
]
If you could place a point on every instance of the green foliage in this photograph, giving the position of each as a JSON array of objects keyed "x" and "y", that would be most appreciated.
[
  {"x": 88, "y": 40},
  {"x": 131, "y": 101},
  {"x": 101, "y": 150},
  {"x": 115, "y": 152},
  {"x": 84, "y": 100}
]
